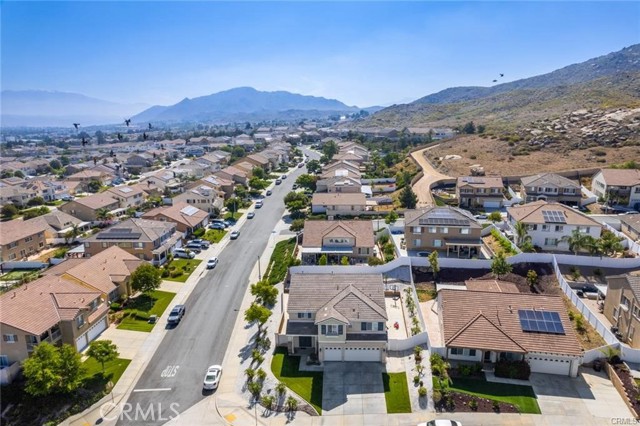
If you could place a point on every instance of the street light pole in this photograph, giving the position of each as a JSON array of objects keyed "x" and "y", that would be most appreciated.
[{"x": 259, "y": 272}]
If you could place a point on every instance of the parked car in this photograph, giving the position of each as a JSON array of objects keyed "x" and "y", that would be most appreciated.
[
  {"x": 234, "y": 235},
  {"x": 295, "y": 186},
  {"x": 441, "y": 422},
  {"x": 204, "y": 244},
  {"x": 251, "y": 215},
  {"x": 283, "y": 177},
  {"x": 481, "y": 216},
  {"x": 211, "y": 263},
  {"x": 176, "y": 314},
  {"x": 217, "y": 226},
  {"x": 300, "y": 165},
  {"x": 278, "y": 181},
  {"x": 259, "y": 204},
  {"x": 212, "y": 377},
  {"x": 219, "y": 221},
  {"x": 183, "y": 253},
  {"x": 269, "y": 192},
  {"x": 194, "y": 247}
]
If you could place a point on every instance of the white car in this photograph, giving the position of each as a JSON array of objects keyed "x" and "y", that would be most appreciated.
[
  {"x": 440, "y": 422},
  {"x": 212, "y": 377},
  {"x": 211, "y": 263}
]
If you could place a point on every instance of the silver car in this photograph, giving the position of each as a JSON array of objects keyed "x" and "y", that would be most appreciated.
[{"x": 212, "y": 377}]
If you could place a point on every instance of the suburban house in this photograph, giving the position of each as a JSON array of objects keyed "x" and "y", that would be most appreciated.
[
  {"x": 20, "y": 239},
  {"x": 58, "y": 224},
  {"x": 630, "y": 225},
  {"x": 339, "y": 184},
  {"x": 622, "y": 307},
  {"x": 233, "y": 174},
  {"x": 87, "y": 176},
  {"x": 148, "y": 240},
  {"x": 550, "y": 187},
  {"x": 246, "y": 167},
  {"x": 350, "y": 157},
  {"x": 340, "y": 168},
  {"x": 618, "y": 186},
  {"x": 443, "y": 228},
  {"x": 162, "y": 180},
  {"x": 336, "y": 239},
  {"x": 128, "y": 196},
  {"x": 351, "y": 147},
  {"x": 550, "y": 224},
  {"x": 16, "y": 194},
  {"x": 225, "y": 185},
  {"x": 480, "y": 192},
  {"x": 50, "y": 309},
  {"x": 489, "y": 326},
  {"x": 140, "y": 162},
  {"x": 186, "y": 217},
  {"x": 107, "y": 272},
  {"x": 210, "y": 162},
  {"x": 87, "y": 208},
  {"x": 340, "y": 317},
  {"x": 204, "y": 197},
  {"x": 338, "y": 204},
  {"x": 259, "y": 160}
]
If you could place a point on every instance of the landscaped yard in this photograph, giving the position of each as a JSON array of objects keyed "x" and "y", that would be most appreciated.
[
  {"x": 396, "y": 392},
  {"x": 139, "y": 309},
  {"x": 280, "y": 261},
  {"x": 214, "y": 235},
  {"x": 181, "y": 269},
  {"x": 112, "y": 370},
  {"x": 522, "y": 397},
  {"x": 235, "y": 216},
  {"x": 17, "y": 275},
  {"x": 307, "y": 384}
]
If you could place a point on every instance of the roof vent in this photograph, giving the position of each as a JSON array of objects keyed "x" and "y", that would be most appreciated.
[
  {"x": 510, "y": 309},
  {"x": 14, "y": 295}
]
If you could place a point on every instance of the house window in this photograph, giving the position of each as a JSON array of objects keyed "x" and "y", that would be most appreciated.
[
  {"x": 417, "y": 230},
  {"x": 10, "y": 338},
  {"x": 636, "y": 311},
  {"x": 80, "y": 321},
  {"x": 437, "y": 243},
  {"x": 104, "y": 245},
  {"x": 457, "y": 351},
  {"x": 331, "y": 330},
  {"x": 624, "y": 300},
  {"x": 559, "y": 228},
  {"x": 464, "y": 231},
  {"x": 304, "y": 315},
  {"x": 433, "y": 230},
  {"x": 4, "y": 361},
  {"x": 445, "y": 230},
  {"x": 417, "y": 243},
  {"x": 472, "y": 352},
  {"x": 616, "y": 311},
  {"x": 380, "y": 326},
  {"x": 551, "y": 242},
  {"x": 12, "y": 256},
  {"x": 26, "y": 240},
  {"x": 546, "y": 228}
]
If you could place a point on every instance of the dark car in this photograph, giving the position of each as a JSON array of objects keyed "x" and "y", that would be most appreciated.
[
  {"x": 269, "y": 192},
  {"x": 424, "y": 253},
  {"x": 176, "y": 314},
  {"x": 278, "y": 181}
]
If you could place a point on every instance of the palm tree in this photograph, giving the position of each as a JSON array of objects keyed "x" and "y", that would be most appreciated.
[
  {"x": 610, "y": 244},
  {"x": 578, "y": 241},
  {"x": 521, "y": 233},
  {"x": 75, "y": 231},
  {"x": 103, "y": 214}
]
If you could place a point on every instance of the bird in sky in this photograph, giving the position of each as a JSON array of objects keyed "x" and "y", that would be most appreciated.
[
  {"x": 76, "y": 125},
  {"x": 495, "y": 81},
  {"x": 127, "y": 121},
  {"x": 84, "y": 142},
  {"x": 144, "y": 136},
  {"x": 119, "y": 136},
  {"x": 150, "y": 126},
  {"x": 501, "y": 75}
]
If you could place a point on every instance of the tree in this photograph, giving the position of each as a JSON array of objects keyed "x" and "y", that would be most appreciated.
[
  {"x": 469, "y": 128},
  {"x": 408, "y": 198},
  {"x": 30, "y": 214},
  {"x": 344, "y": 261},
  {"x": 265, "y": 293},
  {"x": 70, "y": 369},
  {"x": 146, "y": 278},
  {"x": 65, "y": 160},
  {"x": 521, "y": 232},
  {"x": 9, "y": 210},
  {"x": 532, "y": 278},
  {"x": 103, "y": 351},
  {"x": 19, "y": 174},
  {"x": 55, "y": 164},
  {"x": 322, "y": 260},
  {"x": 35, "y": 201},
  {"x": 295, "y": 202},
  {"x": 94, "y": 186},
  {"x": 307, "y": 182},
  {"x": 330, "y": 149},
  {"x": 314, "y": 167},
  {"x": 258, "y": 172},
  {"x": 232, "y": 204},
  {"x": 609, "y": 243},
  {"x": 577, "y": 241},
  {"x": 100, "y": 137},
  {"x": 391, "y": 217},
  {"x": 495, "y": 217},
  {"x": 257, "y": 183},
  {"x": 500, "y": 266},
  {"x": 41, "y": 370},
  {"x": 103, "y": 214},
  {"x": 297, "y": 225},
  {"x": 257, "y": 313},
  {"x": 480, "y": 128},
  {"x": 435, "y": 266}
]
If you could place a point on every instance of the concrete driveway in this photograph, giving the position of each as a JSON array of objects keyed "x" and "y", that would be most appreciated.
[
  {"x": 353, "y": 388},
  {"x": 591, "y": 394}
]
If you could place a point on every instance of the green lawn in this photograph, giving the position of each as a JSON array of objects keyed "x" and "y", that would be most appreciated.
[
  {"x": 180, "y": 265},
  {"x": 307, "y": 384},
  {"x": 139, "y": 309},
  {"x": 235, "y": 216},
  {"x": 396, "y": 393},
  {"x": 521, "y": 396},
  {"x": 112, "y": 370},
  {"x": 17, "y": 275},
  {"x": 214, "y": 235}
]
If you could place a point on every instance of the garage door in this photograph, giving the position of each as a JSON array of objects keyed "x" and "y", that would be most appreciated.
[
  {"x": 81, "y": 342},
  {"x": 332, "y": 354},
  {"x": 362, "y": 354},
  {"x": 550, "y": 365},
  {"x": 96, "y": 329},
  {"x": 492, "y": 204}
]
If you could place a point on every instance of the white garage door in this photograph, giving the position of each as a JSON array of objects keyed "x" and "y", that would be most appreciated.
[
  {"x": 332, "y": 354},
  {"x": 81, "y": 342},
  {"x": 96, "y": 329},
  {"x": 362, "y": 354},
  {"x": 492, "y": 204},
  {"x": 550, "y": 365}
]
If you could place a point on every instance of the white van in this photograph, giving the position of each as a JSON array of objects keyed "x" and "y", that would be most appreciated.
[
  {"x": 185, "y": 254},
  {"x": 258, "y": 204}
]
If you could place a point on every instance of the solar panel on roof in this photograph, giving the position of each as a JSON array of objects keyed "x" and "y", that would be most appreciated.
[
  {"x": 118, "y": 235},
  {"x": 125, "y": 190},
  {"x": 189, "y": 210},
  {"x": 540, "y": 321},
  {"x": 553, "y": 216}
]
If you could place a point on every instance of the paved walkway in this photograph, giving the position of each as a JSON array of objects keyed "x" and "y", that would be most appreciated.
[{"x": 430, "y": 175}]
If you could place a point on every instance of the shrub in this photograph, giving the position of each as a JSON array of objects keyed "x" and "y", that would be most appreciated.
[
  {"x": 473, "y": 157},
  {"x": 437, "y": 396},
  {"x": 250, "y": 373},
  {"x": 575, "y": 273},
  {"x": 417, "y": 352},
  {"x": 496, "y": 405},
  {"x": 261, "y": 374},
  {"x": 416, "y": 380},
  {"x": 473, "y": 404},
  {"x": 422, "y": 391},
  {"x": 115, "y": 306},
  {"x": 465, "y": 370},
  {"x": 267, "y": 401},
  {"x": 373, "y": 261},
  {"x": 255, "y": 388},
  {"x": 199, "y": 232},
  {"x": 513, "y": 369},
  {"x": 165, "y": 273},
  {"x": 292, "y": 404},
  {"x": 175, "y": 274},
  {"x": 281, "y": 388},
  {"x": 257, "y": 356}
]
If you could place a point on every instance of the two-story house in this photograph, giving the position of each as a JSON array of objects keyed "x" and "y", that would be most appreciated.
[
  {"x": 259, "y": 160},
  {"x": 336, "y": 239},
  {"x": 618, "y": 186},
  {"x": 220, "y": 184},
  {"x": 58, "y": 225},
  {"x": 442, "y": 228},
  {"x": 140, "y": 162},
  {"x": 148, "y": 240},
  {"x": 186, "y": 217},
  {"x": 233, "y": 174},
  {"x": 128, "y": 196},
  {"x": 550, "y": 187},
  {"x": 50, "y": 309},
  {"x": 340, "y": 168},
  {"x": 551, "y": 224},
  {"x": 161, "y": 180},
  {"x": 339, "y": 184},
  {"x": 340, "y": 317},
  {"x": 20, "y": 239},
  {"x": 339, "y": 204},
  {"x": 622, "y": 307},
  {"x": 483, "y": 192},
  {"x": 630, "y": 226},
  {"x": 88, "y": 208},
  {"x": 204, "y": 197}
]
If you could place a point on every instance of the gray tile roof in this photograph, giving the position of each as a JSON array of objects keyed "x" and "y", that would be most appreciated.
[{"x": 548, "y": 178}]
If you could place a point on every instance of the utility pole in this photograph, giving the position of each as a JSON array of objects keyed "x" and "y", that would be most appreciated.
[{"x": 259, "y": 272}]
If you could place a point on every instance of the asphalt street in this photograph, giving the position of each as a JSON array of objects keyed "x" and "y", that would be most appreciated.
[{"x": 172, "y": 381}]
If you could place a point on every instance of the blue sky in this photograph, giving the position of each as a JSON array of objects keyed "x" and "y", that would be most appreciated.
[{"x": 360, "y": 53}]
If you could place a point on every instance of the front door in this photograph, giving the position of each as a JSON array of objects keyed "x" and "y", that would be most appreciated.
[
  {"x": 487, "y": 356},
  {"x": 305, "y": 341}
]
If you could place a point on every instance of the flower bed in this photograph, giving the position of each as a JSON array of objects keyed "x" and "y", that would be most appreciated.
[
  {"x": 464, "y": 403},
  {"x": 627, "y": 383}
]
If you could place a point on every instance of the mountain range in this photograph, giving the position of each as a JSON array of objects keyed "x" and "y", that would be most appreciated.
[{"x": 608, "y": 81}]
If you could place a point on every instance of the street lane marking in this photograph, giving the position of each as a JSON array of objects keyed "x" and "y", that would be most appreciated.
[
  {"x": 170, "y": 371},
  {"x": 152, "y": 390}
]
